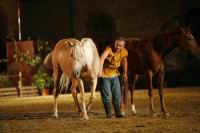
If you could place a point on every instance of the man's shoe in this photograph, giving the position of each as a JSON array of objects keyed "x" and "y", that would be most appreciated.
[
  {"x": 119, "y": 116},
  {"x": 118, "y": 112},
  {"x": 109, "y": 116}
]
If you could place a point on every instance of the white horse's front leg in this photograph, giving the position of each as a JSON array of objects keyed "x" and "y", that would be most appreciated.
[
  {"x": 93, "y": 86},
  {"x": 82, "y": 91},
  {"x": 74, "y": 94}
]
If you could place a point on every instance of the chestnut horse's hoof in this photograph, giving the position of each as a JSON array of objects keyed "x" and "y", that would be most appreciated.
[
  {"x": 122, "y": 110},
  {"x": 123, "y": 113},
  {"x": 133, "y": 110}
]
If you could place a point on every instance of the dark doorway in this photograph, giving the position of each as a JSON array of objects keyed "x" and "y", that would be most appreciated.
[{"x": 101, "y": 28}]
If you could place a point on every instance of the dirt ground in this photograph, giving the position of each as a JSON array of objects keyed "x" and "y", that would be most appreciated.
[{"x": 30, "y": 115}]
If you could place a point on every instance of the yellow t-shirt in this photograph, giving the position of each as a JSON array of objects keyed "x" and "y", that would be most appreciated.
[{"x": 112, "y": 62}]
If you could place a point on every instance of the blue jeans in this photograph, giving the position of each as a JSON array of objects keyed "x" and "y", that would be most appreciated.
[{"x": 111, "y": 87}]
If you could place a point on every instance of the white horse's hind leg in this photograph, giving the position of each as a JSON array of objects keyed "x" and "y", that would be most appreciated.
[
  {"x": 56, "y": 77},
  {"x": 82, "y": 91},
  {"x": 55, "y": 107},
  {"x": 93, "y": 90},
  {"x": 55, "y": 92}
]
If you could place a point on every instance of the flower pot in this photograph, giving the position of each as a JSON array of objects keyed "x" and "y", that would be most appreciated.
[{"x": 44, "y": 92}]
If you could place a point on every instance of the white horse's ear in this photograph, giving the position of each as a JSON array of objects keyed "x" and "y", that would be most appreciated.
[
  {"x": 83, "y": 40},
  {"x": 71, "y": 44}
]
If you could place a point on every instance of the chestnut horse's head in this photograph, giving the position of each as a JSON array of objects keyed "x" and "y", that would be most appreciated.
[{"x": 188, "y": 43}]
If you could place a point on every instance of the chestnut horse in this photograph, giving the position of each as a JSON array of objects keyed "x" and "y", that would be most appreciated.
[
  {"x": 148, "y": 57},
  {"x": 74, "y": 60}
]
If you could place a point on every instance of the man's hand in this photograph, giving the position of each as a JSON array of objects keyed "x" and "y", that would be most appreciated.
[
  {"x": 100, "y": 74},
  {"x": 125, "y": 77}
]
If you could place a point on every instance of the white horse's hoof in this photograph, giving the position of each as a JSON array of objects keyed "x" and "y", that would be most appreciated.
[
  {"x": 85, "y": 118},
  {"x": 93, "y": 97},
  {"x": 166, "y": 114},
  {"x": 88, "y": 107},
  {"x": 55, "y": 115},
  {"x": 152, "y": 114}
]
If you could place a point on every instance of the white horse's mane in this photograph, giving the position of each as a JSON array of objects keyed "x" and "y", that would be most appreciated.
[
  {"x": 88, "y": 42},
  {"x": 83, "y": 51}
]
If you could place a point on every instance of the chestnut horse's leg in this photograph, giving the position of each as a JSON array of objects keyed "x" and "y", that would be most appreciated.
[
  {"x": 93, "y": 85},
  {"x": 161, "y": 94},
  {"x": 132, "y": 89},
  {"x": 150, "y": 92},
  {"x": 82, "y": 91},
  {"x": 124, "y": 95},
  {"x": 74, "y": 94},
  {"x": 56, "y": 78}
]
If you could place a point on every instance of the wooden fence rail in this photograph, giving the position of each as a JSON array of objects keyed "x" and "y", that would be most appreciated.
[
  {"x": 19, "y": 90},
  {"x": 8, "y": 92}
]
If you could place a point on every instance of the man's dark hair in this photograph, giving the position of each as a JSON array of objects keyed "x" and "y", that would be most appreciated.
[{"x": 120, "y": 39}]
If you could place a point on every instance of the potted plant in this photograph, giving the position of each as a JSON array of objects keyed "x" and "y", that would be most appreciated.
[{"x": 42, "y": 80}]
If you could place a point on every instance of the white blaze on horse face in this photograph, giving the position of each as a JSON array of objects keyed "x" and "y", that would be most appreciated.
[{"x": 77, "y": 68}]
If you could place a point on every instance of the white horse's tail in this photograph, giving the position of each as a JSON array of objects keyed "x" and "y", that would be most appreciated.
[
  {"x": 48, "y": 61},
  {"x": 64, "y": 83}
]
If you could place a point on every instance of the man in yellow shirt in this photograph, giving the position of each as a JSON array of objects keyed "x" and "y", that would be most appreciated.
[{"x": 111, "y": 59}]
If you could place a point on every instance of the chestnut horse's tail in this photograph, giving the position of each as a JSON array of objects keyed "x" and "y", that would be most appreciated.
[{"x": 48, "y": 61}]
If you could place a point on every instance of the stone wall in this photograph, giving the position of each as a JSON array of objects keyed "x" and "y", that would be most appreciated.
[
  {"x": 131, "y": 17},
  {"x": 101, "y": 20},
  {"x": 52, "y": 19}
]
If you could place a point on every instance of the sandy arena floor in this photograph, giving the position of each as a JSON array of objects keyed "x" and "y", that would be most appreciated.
[{"x": 34, "y": 115}]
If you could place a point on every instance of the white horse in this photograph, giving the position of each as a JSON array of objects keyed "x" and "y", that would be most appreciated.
[{"x": 74, "y": 60}]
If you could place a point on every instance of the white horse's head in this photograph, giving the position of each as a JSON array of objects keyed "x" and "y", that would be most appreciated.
[
  {"x": 92, "y": 56},
  {"x": 84, "y": 55},
  {"x": 89, "y": 47},
  {"x": 79, "y": 58}
]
